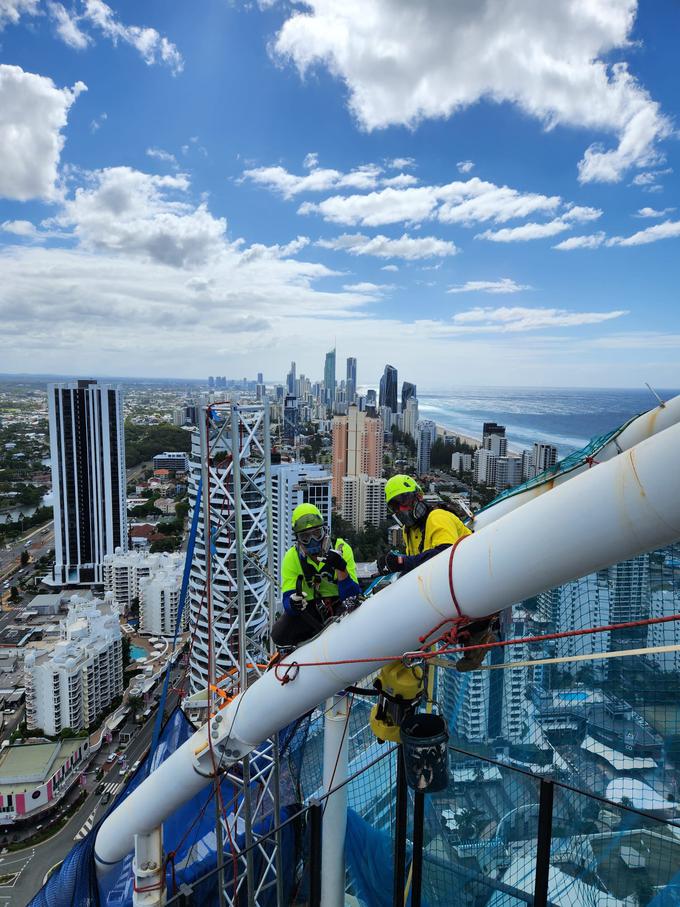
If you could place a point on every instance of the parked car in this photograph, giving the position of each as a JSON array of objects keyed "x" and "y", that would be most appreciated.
[
  {"x": 121, "y": 760},
  {"x": 99, "y": 789},
  {"x": 106, "y": 798},
  {"x": 111, "y": 758}
]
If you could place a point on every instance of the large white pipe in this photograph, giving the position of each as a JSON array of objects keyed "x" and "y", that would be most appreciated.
[
  {"x": 335, "y": 768},
  {"x": 641, "y": 428},
  {"x": 626, "y": 506}
]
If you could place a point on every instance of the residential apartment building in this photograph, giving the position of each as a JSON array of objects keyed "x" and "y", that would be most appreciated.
[
  {"x": 461, "y": 462},
  {"x": 159, "y": 599},
  {"x": 70, "y": 686},
  {"x": 293, "y": 484},
  {"x": 87, "y": 449},
  {"x": 357, "y": 448},
  {"x": 426, "y": 433},
  {"x": 544, "y": 456},
  {"x": 171, "y": 459},
  {"x": 484, "y": 467},
  {"x": 363, "y": 501},
  {"x": 123, "y": 572}
]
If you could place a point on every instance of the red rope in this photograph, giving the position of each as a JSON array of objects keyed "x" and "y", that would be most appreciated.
[{"x": 493, "y": 645}]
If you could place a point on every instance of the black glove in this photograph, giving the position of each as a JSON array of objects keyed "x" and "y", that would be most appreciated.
[
  {"x": 298, "y": 601},
  {"x": 335, "y": 561},
  {"x": 390, "y": 563}
]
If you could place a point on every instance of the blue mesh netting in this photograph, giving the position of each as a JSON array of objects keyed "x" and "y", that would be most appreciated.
[{"x": 75, "y": 883}]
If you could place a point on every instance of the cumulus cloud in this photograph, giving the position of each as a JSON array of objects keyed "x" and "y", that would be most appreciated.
[
  {"x": 590, "y": 241},
  {"x": 406, "y": 247},
  {"x": 97, "y": 122},
  {"x": 649, "y": 180},
  {"x": 461, "y": 201},
  {"x": 33, "y": 112},
  {"x": 465, "y": 166},
  {"x": 520, "y": 318},
  {"x": 398, "y": 66},
  {"x": 581, "y": 213},
  {"x": 124, "y": 210},
  {"x": 320, "y": 179},
  {"x": 371, "y": 289},
  {"x": 525, "y": 231},
  {"x": 505, "y": 285},
  {"x": 669, "y": 229},
  {"x": 22, "y": 228},
  {"x": 401, "y": 163},
  {"x": 652, "y": 212},
  {"x": 12, "y": 10}
]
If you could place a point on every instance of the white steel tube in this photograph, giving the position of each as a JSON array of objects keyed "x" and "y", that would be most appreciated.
[
  {"x": 645, "y": 426},
  {"x": 626, "y": 506},
  {"x": 335, "y": 768},
  {"x": 149, "y": 870}
]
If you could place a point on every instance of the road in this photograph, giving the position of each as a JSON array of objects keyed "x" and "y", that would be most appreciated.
[
  {"x": 10, "y": 559},
  {"x": 39, "y": 859}
]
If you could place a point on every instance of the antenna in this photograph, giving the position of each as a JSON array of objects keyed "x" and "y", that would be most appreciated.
[{"x": 662, "y": 403}]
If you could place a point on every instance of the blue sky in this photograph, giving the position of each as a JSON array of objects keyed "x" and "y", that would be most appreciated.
[{"x": 477, "y": 192}]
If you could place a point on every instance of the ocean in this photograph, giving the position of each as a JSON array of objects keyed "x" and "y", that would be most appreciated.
[{"x": 566, "y": 417}]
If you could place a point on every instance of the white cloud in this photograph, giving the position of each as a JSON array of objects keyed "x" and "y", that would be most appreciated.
[
  {"x": 160, "y": 155},
  {"x": 12, "y": 10},
  {"x": 319, "y": 179},
  {"x": 581, "y": 213},
  {"x": 97, "y": 122},
  {"x": 389, "y": 268},
  {"x": 465, "y": 166},
  {"x": 669, "y": 229},
  {"x": 551, "y": 59},
  {"x": 461, "y": 201},
  {"x": 652, "y": 212},
  {"x": 22, "y": 228},
  {"x": 591, "y": 241},
  {"x": 406, "y": 247},
  {"x": 371, "y": 289},
  {"x": 648, "y": 180},
  {"x": 519, "y": 318},
  {"x": 400, "y": 180},
  {"x": 67, "y": 27},
  {"x": 401, "y": 163},
  {"x": 525, "y": 232},
  {"x": 124, "y": 210},
  {"x": 505, "y": 285},
  {"x": 153, "y": 47},
  {"x": 311, "y": 161},
  {"x": 33, "y": 112}
]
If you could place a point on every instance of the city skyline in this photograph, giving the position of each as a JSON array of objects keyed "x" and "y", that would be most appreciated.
[{"x": 396, "y": 208}]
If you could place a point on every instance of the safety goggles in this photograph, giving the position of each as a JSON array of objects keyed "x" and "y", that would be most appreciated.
[
  {"x": 401, "y": 503},
  {"x": 315, "y": 534}
]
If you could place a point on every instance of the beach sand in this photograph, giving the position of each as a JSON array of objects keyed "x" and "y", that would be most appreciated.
[{"x": 446, "y": 431}]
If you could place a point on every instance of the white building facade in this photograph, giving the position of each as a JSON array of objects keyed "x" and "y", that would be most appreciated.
[
  {"x": 77, "y": 681},
  {"x": 363, "y": 501},
  {"x": 123, "y": 571},
  {"x": 159, "y": 599}
]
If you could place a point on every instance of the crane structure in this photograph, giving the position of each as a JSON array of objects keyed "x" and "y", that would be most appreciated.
[{"x": 628, "y": 505}]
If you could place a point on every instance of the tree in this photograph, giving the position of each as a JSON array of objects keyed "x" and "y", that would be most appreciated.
[
  {"x": 25, "y": 557},
  {"x": 14, "y": 594},
  {"x": 171, "y": 543},
  {"x": 142, "y": 442},
  {"x": 126, "y": 646},
  {"x": 182, "y": 509}
]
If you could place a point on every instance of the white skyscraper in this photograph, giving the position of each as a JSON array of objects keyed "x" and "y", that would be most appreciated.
[
  {"x": 426, "y": 433},
  {"x": 293, "y": 484},
  {"x": 72, "y": 685},
  {"x": 544, "y": 456},
  {"x": 87, "y": 448},
  {"x": 124, "y": 571},
  {"x": 410, "y": 416},
  {"x": 484, "y": 470}
]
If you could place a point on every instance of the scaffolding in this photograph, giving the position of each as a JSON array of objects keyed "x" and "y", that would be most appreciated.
[{"x": 231, "y": 611}]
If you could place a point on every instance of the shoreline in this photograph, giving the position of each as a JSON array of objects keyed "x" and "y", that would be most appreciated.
[{"x": 444, "y": 431}]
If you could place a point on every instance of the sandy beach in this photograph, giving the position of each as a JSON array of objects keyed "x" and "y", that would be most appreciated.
[{"x": 446, "y": 431}]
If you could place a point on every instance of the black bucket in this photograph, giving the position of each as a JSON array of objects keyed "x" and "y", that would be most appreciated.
[{"x": 424, "y": 738}]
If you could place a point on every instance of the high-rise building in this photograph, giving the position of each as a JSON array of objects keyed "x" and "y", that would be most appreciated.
[
  {"x": 388, "y": 388},
  {"x": 291, "y": 419},
  {"x": 426, "y": 433},
  {"x": 87, "y": 448},
  {"x": 544, "y": 456},
  {"x": 123, "y": 571},
  {"x": 260, "y": 379},
  {"x": 410, "y": 416},
  {"x": 497, "y": 444},
  {"x": 508, "y": 472},
  {"x": 371, "y": 400},
  {"x": 329, "y": 378},
  {"x": 293, "y": 484},
  {"x": 73, "y": 684},
  {"x": 492, "y": 428},
  {"x": 351, "y": 379},
  {"x": 484, "y": 468},
  {"x": 290, "y": 380},
  {"x": 408, "y": 391},
  {"x": 528, "y": 468},
  {"x": 357, "y": 448},
  {"x": 363, "y": 501},
  {"x": 159, "y": 597},
  {"x": 461, "y": 462}
]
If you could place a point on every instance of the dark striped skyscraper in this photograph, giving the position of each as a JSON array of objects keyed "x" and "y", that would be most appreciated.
[
  {"x": 351, "y": 379},
  {"x": 87, "y": 447},
  {"x": 388, "y": 389}
]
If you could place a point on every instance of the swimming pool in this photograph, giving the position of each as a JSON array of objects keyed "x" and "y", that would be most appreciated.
[
  {"x": 137, "y": 652},
  {"x": 577, "y": 696}
]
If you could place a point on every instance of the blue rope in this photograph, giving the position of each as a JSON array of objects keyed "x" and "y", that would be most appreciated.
[{"x": 182, "y": 601}]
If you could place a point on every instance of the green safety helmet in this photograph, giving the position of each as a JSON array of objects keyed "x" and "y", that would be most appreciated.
[
  {"x": 306, "y": 516},
  {"x": 400, "y": 485}
]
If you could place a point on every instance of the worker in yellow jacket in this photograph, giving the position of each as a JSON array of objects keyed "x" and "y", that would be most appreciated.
[{"x": 428, "y": 529}]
